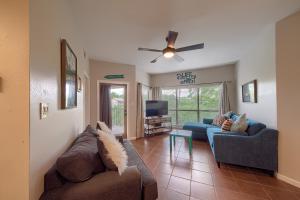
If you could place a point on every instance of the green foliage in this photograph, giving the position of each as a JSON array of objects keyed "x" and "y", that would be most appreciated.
[{"x": 188, "y": 98}]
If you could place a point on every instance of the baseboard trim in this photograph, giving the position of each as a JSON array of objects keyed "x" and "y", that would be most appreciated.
[
  {"x": 132, "y": 138},
  {"x": 288, "y": 180}
]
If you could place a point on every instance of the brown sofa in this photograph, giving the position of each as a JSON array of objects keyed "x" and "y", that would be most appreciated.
[{"x": 79, "y": 174}]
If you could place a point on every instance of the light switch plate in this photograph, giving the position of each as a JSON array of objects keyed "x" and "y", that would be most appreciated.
[{"x": 44, "y": 108}]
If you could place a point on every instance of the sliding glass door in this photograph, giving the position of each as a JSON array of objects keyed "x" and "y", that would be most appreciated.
[{"x": 192, "y": 104}]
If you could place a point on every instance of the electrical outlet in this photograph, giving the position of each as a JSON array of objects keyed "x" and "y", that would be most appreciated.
[{"x": 44, "y": 108}]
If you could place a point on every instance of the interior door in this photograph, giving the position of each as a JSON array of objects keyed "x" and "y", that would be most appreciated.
[{"x": 118, "y": 94}]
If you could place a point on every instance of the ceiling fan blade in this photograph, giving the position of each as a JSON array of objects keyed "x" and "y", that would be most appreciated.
[
  {"x": 178, "y": 58},
  {"x": 147, "y": 49},
  {"x": 171, "y": 38},
  {"x": 190, "y": 48},
  {"x": 155, "y": 60}
]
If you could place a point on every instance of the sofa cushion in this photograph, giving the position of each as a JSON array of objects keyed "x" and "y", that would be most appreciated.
[
  {"x": 81, "y": 160},
  {"x": 226, "y": 126},
  {"x": 91, "y": 130},
  {"x": 196, "y": 126},
  {"x": 254, "y": 127},
  {"x": 240, "y": 125},
  {"x": 218, "y": 120},
  {"x": 234, "y": 116},
  {"x": 149, "y": 183}
]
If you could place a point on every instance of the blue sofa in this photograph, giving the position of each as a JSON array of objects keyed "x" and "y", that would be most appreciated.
[{"x": 257, "y": 147}]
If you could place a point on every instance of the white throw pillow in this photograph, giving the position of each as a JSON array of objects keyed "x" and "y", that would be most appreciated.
[
  {"x": 240, "y": 125},
  {"x": 116, "y": 151},
  {"x": 104, "y": 127}
]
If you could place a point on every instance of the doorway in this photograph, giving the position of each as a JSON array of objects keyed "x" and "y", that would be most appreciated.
[
  {"x": 113, "y": 106},
  {"x": 118, "y": 95}
]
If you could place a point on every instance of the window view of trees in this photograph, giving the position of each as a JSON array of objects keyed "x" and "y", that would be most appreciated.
[{"x": 192, "y": 104}]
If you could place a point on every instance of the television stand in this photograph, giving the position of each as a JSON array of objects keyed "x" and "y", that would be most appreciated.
[{"x": 157, "y": 125}]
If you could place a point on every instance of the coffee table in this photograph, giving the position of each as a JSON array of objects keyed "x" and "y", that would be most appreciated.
[{"x": 181, "y": 133}]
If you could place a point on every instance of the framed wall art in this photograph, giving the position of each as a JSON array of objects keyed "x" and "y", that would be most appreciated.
[
  {"x": 249, "y": 92},
  {"x": 68, "y": 76}
]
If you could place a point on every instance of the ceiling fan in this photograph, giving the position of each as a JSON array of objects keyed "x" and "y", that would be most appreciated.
[{"x": 170, "y": 51}]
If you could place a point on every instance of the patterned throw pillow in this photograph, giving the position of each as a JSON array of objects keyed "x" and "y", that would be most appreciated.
[
  {"x": 226, "y": 126},
  {"x": 240, "y": 124},
  {"x": 218, "y": 120}
]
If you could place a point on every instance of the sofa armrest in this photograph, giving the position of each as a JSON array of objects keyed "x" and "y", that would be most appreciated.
[
  {"x": 106, "y": 186},
  {"x": 261, "y": 148},
  {"x": 207, "y": 121}
]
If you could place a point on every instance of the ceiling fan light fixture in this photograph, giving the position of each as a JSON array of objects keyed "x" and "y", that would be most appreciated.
[{"x": 169, "y": 52}]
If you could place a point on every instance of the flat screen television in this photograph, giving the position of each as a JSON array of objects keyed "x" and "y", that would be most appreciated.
[{"x": 156, "y": 108}]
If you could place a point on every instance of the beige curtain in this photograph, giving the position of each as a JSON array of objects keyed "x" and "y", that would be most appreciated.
[
  {"x": 224, "y": 99},
  {"x": 156, "y": 93},
  {"x": 140, "y": 112}
]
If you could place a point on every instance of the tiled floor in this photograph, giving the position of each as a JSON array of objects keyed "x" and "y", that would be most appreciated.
[{"x": 181, "y": 177}]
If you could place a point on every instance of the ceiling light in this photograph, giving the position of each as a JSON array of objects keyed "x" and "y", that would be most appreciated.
[{"x": 169, "y": 52}]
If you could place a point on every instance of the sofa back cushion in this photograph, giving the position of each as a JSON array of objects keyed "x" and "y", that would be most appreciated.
[
  {"x": 81, "y": 160},
  {"x": 254, "y": 127}
]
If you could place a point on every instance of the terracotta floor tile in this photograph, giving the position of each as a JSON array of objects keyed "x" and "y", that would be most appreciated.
[
  {"x": 229, "y": 182},
  {"x": 182, "y": 172},
  {"x": 226, "y": 183},
  {"x": 202, "y": 177},
  {"x": 180, "y": 185},
  {"x": 253, "y": 189},
  {"x": 200, "y": 158},
  {"x": 200, "y": 166},
  {"x": 224, "y": 194},
  {"x": 168, "y": 159},
  {"x": 280, "y": 194},
  {"x": 164, "y": 168},
  {"x": 245, "y": 176},
  {"x": 172, "y": 195},
  {"x": 180, "y": 162},
  {"x": 162, "y": 180},
  {"x": 202, "y": 191}
]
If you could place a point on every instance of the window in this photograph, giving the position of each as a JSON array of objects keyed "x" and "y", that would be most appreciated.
[{"x": 192, "y": 104}]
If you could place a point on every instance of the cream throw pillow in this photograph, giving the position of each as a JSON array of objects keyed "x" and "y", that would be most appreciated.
[
  {"x": 240, "y": 125},
  {"x": 115, "y": 151},
  {"x": 104, "y": 127}
]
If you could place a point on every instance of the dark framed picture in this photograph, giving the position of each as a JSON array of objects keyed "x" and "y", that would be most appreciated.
[
  {"x": 68, "y": 76},
  {"x": 249, "y": 92}
]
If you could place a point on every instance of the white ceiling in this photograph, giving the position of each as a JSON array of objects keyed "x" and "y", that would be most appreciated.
[{"x": 114, "y": 29}]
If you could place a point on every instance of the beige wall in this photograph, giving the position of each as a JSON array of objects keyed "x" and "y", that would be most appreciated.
[
  {"x": 142, "y": 77},
  {"x": 258, "y": 62},
  {"x": 49, "y": 22},
  {"x": 288, "y": 97},
  {"x": 98, "y": 69},
  {"x": 14, "y": 100},
  {"x": 207, "y": 75}
]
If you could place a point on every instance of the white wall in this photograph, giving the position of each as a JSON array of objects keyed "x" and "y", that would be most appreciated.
[
  {"x": 98, "y": 70},
  {"x": 14, "y": 100},
  {"x": 258, "y": 62},
  {"x": 142, "y": 77},
  {"x": 207, "y": 75},
  {"x": 49, "y": 22},
  {"x": 288, "y": 97}
]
